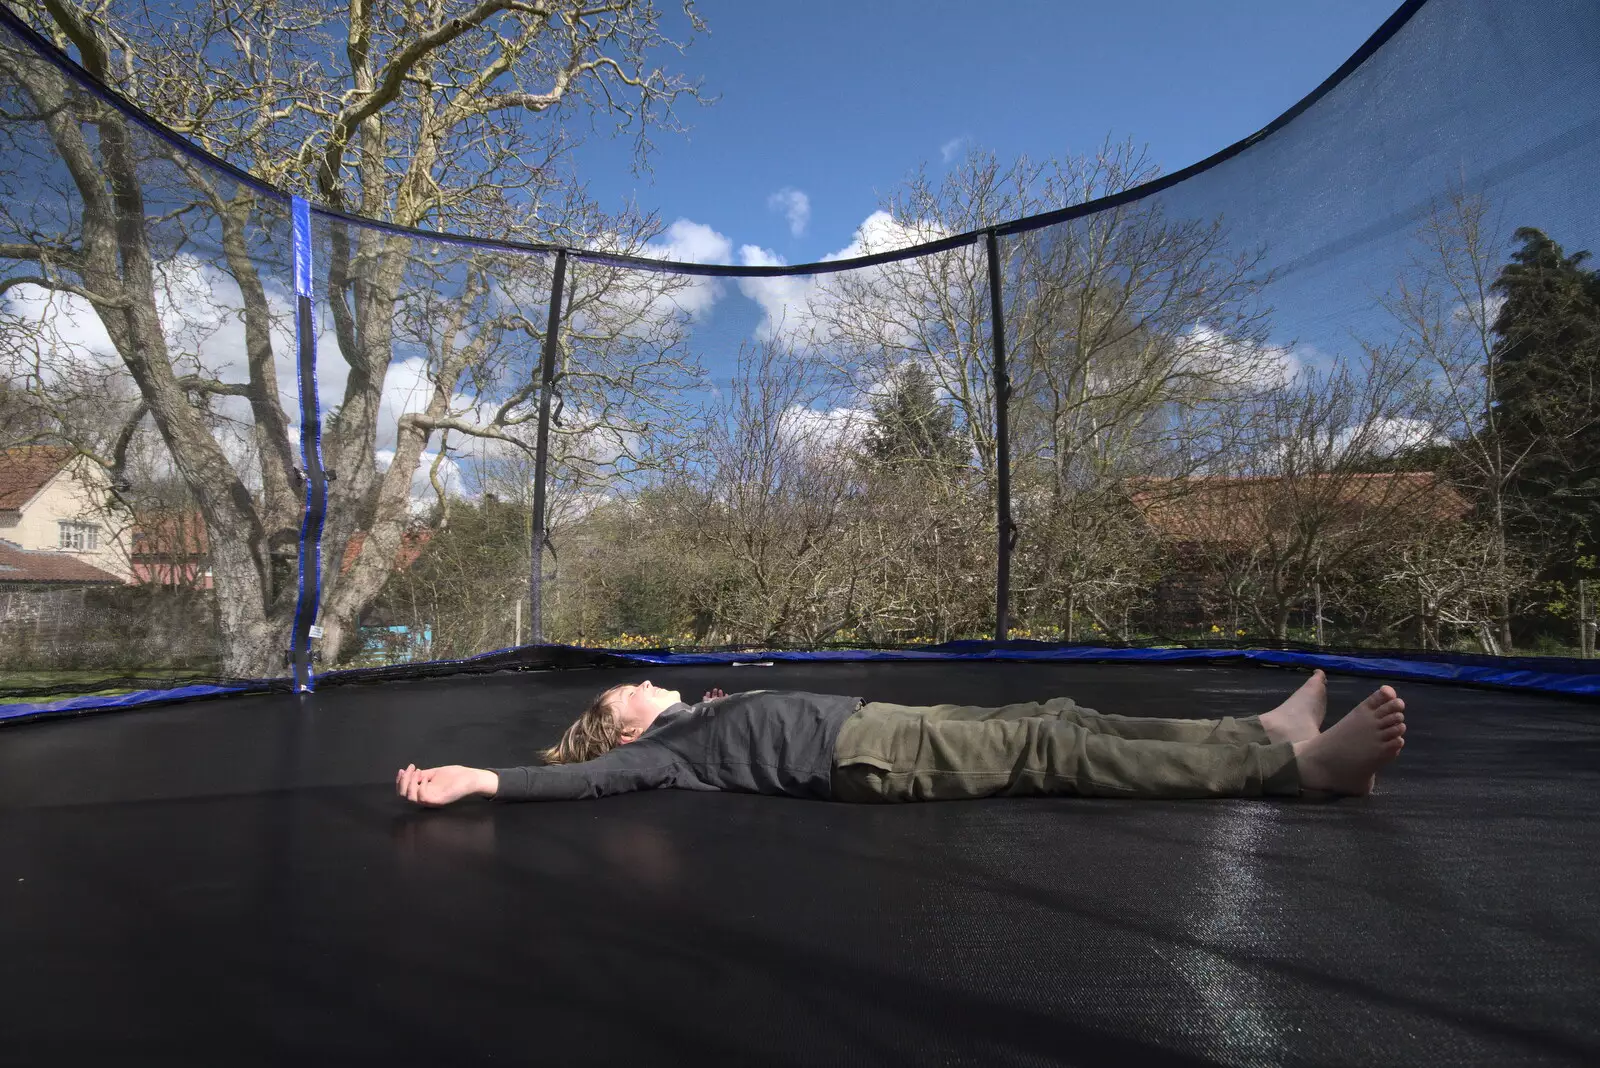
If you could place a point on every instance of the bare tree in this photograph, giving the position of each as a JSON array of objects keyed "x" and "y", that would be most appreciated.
[
  {"x": 1087, "y": 555},
  {"x": 423, "y": 115},
  {"x": 775, "y": 474},
  {"x": 1450, "y": 577},
  {"x": 920, "y": 546},
  {"x": 1304, "y": 500},
  {"x": 1133, "y": 340},
  {"x": 1445, "y": 308}
]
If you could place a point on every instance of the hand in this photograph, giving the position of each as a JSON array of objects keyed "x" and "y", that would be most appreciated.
[
  {"x": 432, "y": 787},
  {"x": 712, "y": 694}
]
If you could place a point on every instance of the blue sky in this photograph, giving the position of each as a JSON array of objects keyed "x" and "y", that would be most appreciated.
[{"x": 839, "y": 100}]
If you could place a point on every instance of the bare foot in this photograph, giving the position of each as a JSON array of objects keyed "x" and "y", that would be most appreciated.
[
  {"x": 1300, "y": 717},
  {"x": 1345, "y": 758}
]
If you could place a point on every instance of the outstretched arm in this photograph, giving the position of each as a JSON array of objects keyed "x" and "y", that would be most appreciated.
[
  {"x": 639, "y": 765},
  {"x": 433, "y": 787}
]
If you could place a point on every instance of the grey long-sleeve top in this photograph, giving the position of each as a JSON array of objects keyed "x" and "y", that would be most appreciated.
[{"x": 762, "y": 741}]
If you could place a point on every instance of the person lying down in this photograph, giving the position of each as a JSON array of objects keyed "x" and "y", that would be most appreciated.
[{"x": 638, "y": 736}]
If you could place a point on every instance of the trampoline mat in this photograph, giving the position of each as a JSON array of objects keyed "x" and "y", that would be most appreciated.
[{"x": 235, "y": 882}]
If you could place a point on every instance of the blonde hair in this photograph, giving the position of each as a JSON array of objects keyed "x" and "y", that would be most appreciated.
[{"x": 592, "y": 734}]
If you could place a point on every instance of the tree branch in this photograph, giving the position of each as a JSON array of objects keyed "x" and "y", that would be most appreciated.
[
  {"x": 90, "y": 49},
  {"x": 54, "y": 250},
  {"x": 44, "y": 282},
  {"x": 399, "y": 69},
  {"x": 428, "y": 424},
  {"x": 211, "y": 386}
]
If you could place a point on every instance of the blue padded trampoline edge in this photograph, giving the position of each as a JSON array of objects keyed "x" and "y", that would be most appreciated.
[
  {"x": 96, "y": 703},
  {"x": 1580, "y": 684},
  {"x": 1570, "y": 683}
]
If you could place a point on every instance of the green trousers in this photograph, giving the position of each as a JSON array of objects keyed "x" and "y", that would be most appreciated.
[{"x": 888, "y": 752}]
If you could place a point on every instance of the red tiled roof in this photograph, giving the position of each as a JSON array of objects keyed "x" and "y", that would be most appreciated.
[
  {"x": 24, "y": 471},
  {"x": 411, "y": 546},
  {"x": 35, "y": 565},
  {"x": 1244, "y": 509},
  {"x": 169, "y": 534},
  {"x": 184, "y": 534}
]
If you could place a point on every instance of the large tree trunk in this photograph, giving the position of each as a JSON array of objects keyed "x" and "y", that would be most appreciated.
[
  {"x": 282, "y": 485},
  {"x": 119, "y": 273},
  {"x": 1503, "y": 604},
  {"x": 360, "y": 500},
  {"x": 381, "y": 147},
  {"x": 1280, "y": 618}
]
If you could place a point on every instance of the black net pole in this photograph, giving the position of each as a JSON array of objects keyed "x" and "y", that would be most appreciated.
[
  {"x": 541, "y": 461},
  {"x": 1002, "y": 447}
]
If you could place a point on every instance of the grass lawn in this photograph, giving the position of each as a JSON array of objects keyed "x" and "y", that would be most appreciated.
[{"x": 73, "y": 683}]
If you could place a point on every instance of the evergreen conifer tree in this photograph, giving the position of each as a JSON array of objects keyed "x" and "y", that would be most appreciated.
[
  {"x": 1547, "y": 395},
  {"x": 911, "y": 428}
]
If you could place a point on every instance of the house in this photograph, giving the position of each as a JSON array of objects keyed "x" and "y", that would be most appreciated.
[
  {"x": 412, "y": 542},
  {"x": 172, "y": 548},
  {"x": 75, "y": 566},
  {"x": 1220, "y": 511},
  {"x": 47, "y": 602},
  {"x": 54, "y": 500},
  {"x": 48, "y": 569},
  {"x": 1211, "y": 526}
]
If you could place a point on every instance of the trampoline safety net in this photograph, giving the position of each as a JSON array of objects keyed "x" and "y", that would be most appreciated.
[{"x": 1337, "y": 387}]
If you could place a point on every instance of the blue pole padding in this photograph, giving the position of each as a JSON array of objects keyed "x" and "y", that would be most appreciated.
[{"x": 309, "y": 598}]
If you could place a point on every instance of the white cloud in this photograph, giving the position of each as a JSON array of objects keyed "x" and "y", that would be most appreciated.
[
  {"x": 797, "y": 307},
  {"x": 70, "y": 333},
  {"x": 200, "y": 309},
  {"x": 795, "y": 205},
  {"x": 640, "y": 303},
  {"x": 691, "y": 242},
  {"x": 882, "y": 232},
  {"x": 785, "y": 300},
  {"x": 949, "y": 149},
  {"x": 1481, "y": 314},
  {"x": 407, "y": 388},
  {"x": 1386, "y": 436},
  {"x": 818, "y": 432},
  {"x": 879, "y": 383},
  {"x": 333, "y": 372},
  {"x": 422, "y": 494},
  {"x": 684, "y": 239},
  {"x": 199, "y": 304},
  {"x": 1205, "y": 351}
]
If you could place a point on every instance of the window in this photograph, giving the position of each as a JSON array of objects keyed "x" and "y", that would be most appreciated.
[{"x": 80, "y": 537}]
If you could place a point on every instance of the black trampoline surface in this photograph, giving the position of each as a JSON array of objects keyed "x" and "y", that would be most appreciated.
[{"x": 234, "y": 882}]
